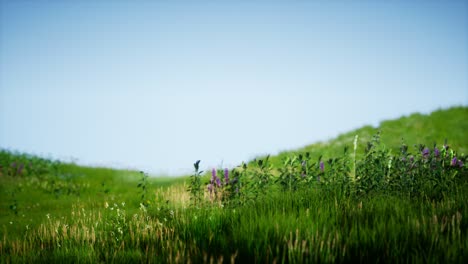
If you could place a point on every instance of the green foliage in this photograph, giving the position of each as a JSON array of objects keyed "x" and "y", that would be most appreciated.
[
  {"x": 425, "y": 129},
  {"x": 261, "y": 178},
  {"x": 143, "y": 186},
  {"x": 195, "y": 188}
]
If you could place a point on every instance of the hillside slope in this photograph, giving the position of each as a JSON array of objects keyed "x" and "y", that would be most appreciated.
[{"x": 447, "y": 124}]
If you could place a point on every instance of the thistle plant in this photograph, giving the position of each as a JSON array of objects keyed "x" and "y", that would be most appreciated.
[{"x": 195, "y": 188}]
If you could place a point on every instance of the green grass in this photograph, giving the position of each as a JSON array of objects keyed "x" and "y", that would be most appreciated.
[
  {"x": 436, "y": 127},
  {"x": 59, "y": 213}
]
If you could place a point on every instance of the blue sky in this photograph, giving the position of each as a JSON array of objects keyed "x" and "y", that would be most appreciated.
[{"x": 157, "y": 85}]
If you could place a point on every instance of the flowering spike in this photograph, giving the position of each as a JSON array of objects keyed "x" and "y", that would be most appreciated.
[
  {"x": 436, "y": 152},
  {"x": 425, "y": 153},
  {"x": 226, "y": 175},
  {"x": 454, "y": 161}
]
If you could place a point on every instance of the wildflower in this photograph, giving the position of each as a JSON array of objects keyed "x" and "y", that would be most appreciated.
[
  {"x": 454, "y": 161},
  {"x": 214, "y": 178},
  {"x": 436, "y": 152},
  {"x": 226, "y": 176},
  {"x": 425, "y": 153},
  {"x": 322, "y": 166},
  {"x": 210, "y": 188},
  {"x": 460, "y": 163}
]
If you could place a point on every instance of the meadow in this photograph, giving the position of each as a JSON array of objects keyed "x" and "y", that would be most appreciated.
[{"x": 395, "y": 193}]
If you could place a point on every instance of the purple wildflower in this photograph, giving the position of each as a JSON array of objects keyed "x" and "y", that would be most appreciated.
[
  {"x": 215, "y": 179},
  {"x": 425, "y": 153},
  {"x": 226, "y": 176},
  {"x": 436, "y": 152},
  {"x": 411, "y": 158},
  {"x": 13, "y": 165},
  {"x": 403, "y": 159},
  {"x": 454, "y": 161},
  {"x": 322, "y": 166},
  {"x": 460, "y": 163},
  {"x": 213, "y": 176}
]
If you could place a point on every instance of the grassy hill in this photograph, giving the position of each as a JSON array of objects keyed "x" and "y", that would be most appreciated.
[
  {"x": 387, "y": 207},
  {"x": 434, "y": 128}
]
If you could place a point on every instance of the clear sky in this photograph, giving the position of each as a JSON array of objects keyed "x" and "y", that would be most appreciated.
[{"x": 157, "y": 85}]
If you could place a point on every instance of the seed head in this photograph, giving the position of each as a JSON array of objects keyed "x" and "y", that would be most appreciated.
[{"x": 355, "y": 142}]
